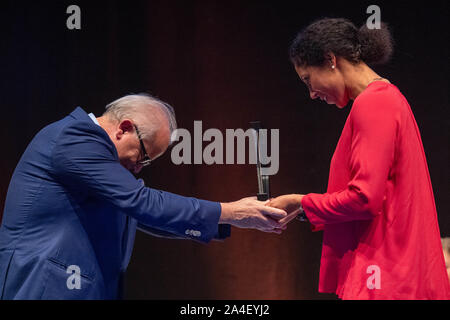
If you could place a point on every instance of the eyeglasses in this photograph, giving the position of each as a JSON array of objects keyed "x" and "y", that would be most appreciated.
[{"x": 146, "y": 160}]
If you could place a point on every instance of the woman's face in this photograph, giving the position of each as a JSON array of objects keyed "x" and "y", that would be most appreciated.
[{"x": 325, "y": 83}]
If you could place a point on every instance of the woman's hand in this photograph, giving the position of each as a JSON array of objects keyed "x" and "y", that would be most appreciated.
[{"x": 289, "y": 203}]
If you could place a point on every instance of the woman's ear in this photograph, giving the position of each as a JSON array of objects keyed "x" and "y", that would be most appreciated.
[{"x": 331, "y": 59}]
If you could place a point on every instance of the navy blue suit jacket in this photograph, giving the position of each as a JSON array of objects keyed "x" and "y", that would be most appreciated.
[{"x": 70, "y": 204}]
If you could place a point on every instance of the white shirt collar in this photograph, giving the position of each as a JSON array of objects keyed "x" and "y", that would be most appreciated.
[{"x": 93, "y": 118}]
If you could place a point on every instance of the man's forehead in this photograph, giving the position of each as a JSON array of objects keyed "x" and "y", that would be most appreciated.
[{"x": 160, "y": 142}]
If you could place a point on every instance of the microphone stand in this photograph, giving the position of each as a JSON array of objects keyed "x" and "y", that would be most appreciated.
[{"x": 263, "y": 180}]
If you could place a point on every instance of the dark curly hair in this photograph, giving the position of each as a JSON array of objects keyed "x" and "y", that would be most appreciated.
[{"x": 342, "y": 38}]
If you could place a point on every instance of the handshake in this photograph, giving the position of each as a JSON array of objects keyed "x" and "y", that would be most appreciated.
[{"x": 269, "y": 216}]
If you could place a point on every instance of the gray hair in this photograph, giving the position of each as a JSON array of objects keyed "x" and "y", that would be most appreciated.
[{"x": 140, "y": 108}]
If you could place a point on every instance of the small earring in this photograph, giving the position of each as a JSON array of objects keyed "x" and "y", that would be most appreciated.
[{"x": 332, "y": 67}]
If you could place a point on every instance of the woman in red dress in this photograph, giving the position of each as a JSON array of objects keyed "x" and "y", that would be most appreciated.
[{"x": 381, "y": 237}]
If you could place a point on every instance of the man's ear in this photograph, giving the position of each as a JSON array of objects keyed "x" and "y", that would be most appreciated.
[{"x": 125, "y": 126}]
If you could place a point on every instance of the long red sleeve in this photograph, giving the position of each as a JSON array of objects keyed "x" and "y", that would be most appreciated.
[
  {"x": 381, "y": 237},
  {"x": 371, "y": 153}
]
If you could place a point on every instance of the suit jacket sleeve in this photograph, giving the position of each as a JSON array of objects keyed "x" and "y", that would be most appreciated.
[
  {"x": 85, "y": 159},
  {"x": 224, "y": 231}
]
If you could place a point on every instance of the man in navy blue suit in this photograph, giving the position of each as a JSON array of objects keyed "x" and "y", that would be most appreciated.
[{"x": 73, "y": 204}]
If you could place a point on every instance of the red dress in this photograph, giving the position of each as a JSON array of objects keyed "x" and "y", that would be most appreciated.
[{"x": 381, "y": 237}]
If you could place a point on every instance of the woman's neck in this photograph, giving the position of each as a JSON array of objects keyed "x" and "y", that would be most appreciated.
[{"x": 357, "y": 77}]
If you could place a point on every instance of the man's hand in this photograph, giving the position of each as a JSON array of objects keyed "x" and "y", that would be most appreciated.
[
  {"x": 289, "y": 203},
  {"x": 253, "y": 214}
]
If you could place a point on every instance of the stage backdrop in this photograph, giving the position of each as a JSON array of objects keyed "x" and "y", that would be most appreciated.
[{"x": 224, "y": 63}]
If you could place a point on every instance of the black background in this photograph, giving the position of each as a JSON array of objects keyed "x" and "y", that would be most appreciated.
[{"x": 224, "y": 63}]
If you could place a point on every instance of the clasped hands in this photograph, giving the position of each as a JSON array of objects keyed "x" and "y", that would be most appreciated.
[{"x": 268, "y": 216}]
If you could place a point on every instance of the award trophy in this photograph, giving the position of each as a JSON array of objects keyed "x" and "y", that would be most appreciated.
[{"x": 263, "y": 180}]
